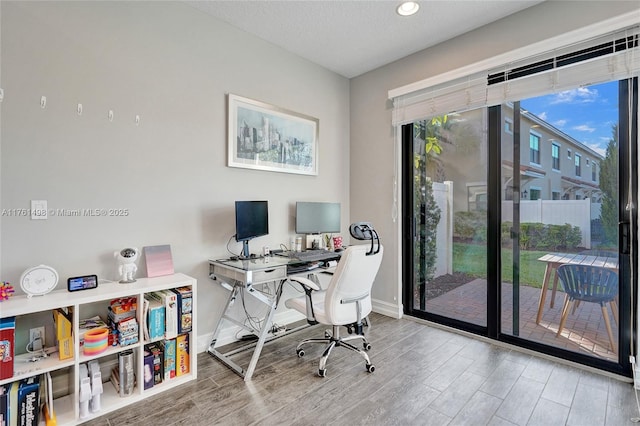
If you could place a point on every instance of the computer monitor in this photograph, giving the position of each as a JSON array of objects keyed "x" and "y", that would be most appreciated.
[
  {"x": 317, "y": 218},
  {"x": 252, "y": 220}
]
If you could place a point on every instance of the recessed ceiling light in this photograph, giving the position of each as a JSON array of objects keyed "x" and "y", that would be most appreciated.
[{"x": 408, "y": 8}]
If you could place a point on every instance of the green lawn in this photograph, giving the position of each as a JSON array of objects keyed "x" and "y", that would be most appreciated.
[{"x": 472, "y": 260}]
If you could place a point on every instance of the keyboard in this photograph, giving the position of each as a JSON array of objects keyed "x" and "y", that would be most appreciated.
[{"x": 315, "y": 255}]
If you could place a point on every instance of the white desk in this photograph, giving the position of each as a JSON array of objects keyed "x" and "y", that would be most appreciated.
[{"x": 240, "y": 278}]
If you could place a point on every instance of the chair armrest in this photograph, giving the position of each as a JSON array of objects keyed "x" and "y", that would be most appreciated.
[
  {"x": 354, "y": 299},
  {"x": 305, "y": 282}
]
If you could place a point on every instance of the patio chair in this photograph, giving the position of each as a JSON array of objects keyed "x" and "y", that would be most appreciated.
[{"x": 589, "y": 284}]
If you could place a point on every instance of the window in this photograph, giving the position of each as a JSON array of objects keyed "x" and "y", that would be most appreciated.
[
  {"x": 555, "y": 156},
  {"x": 569, "y": 154},
  {"x": 578, "y": 157},
  {"x": 534, "y": 194},
  {"x": 555, "y": 195},
  {"x": 586, "y": 162},
  {"x": 594, "y": 175},
  {"x": 534, "y": 148},
  {"x": 508, "y": 126}
]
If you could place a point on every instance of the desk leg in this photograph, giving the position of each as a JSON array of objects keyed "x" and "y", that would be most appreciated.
[
  {"x": 262, "y": 334},
  {"x": 261, "y": 339},
  {"x": 543, "y": 291}
]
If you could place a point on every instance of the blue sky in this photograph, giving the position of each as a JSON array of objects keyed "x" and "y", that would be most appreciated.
[{"x": 586, "y": 114}]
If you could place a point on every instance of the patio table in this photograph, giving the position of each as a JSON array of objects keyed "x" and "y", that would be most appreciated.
[{"x": 554, "y": 260}]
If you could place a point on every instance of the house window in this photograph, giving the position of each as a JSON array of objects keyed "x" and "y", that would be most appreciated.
[
  {"x": 555, "y": 156},
  {"x": 555, "y": 195},
  {"x": 578, "y": 159},
  {"x": 534, "y": 148},
  {"x": 586, "y": 162},
  {"x": 594, "y": 174},
  {"x": 569, "y": 154},
  {"x": 508, "y": 126},
  {"x": 534, "y": 194}
]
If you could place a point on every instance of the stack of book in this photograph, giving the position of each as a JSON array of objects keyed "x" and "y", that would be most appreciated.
[
  {"x": 20, "y": 402},
  {"x": 122, "y": 320}
]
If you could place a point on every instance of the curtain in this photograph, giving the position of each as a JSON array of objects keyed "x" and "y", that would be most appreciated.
[{"x": 613, "y": 56}]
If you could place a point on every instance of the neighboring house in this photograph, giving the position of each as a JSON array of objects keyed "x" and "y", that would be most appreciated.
[{"x": 553, "y": 165}]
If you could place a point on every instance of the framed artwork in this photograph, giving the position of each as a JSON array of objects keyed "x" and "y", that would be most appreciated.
[{"x": 267, "y": 137}]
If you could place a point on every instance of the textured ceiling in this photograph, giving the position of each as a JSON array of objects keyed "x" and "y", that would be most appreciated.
[{"x": 353, "y": 37}]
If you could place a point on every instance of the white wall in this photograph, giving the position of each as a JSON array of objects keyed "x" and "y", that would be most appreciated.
[
  {"x": 172, "y": 65},
  {"x": 373, "y": 159}
]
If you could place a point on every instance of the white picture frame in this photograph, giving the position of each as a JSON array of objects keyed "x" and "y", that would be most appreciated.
[{"x": 266, "y": 137}]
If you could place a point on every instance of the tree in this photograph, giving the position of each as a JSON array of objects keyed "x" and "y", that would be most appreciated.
[
  {"x": 426, "y": 211},
  {"x": 609, "y": 188}
]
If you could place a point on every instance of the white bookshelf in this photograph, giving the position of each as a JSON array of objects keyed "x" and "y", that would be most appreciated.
[{"x": 66, "y": 407}]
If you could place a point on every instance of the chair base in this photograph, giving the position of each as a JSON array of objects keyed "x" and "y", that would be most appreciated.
[{"x": 333, "y": 339}]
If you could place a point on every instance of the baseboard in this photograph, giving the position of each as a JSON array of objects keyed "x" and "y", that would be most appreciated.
[{"x": 387, "y": 309}]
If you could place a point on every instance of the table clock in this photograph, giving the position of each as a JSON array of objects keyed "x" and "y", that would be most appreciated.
[{"x": 38, "y": 280}]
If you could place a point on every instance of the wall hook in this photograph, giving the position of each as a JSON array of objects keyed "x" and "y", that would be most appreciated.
[
  {"x": 110, "y": 115},
  {"x": 43, "y": 102}
]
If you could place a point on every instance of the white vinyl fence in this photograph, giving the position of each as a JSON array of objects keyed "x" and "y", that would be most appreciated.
[
  {"x": 443, "y": 195},
  {"x": 554, "y": 212}
]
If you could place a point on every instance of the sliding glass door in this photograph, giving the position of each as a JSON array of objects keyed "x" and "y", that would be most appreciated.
[
  {"x": 446, "y": 203},
  {"x": 517, "y": 221}
]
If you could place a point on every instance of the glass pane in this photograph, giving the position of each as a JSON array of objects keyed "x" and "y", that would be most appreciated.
[
  {"x": 567, "y": 213},
  {"x": 450, "y": 215}
]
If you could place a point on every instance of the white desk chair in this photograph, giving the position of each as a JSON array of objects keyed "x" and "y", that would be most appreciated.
[{"x": 345, "y": 302}]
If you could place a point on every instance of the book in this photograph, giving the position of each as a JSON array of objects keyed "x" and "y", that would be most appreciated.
[
  {"x": 185, "y": 308},
  {"x": 64, "y": 335},
  {"x": 29, "y": 401},
  {"x": 155, "y": 319},
  {"x": 158, "y": 260},
  {"x": 148, "y": 370},
  {"x": 7, "y": 336},
  {"x": 4, "y": 405},
  {"x": 169, "y": 347},
  {"x": 158, "y": 362},
  {"x": 14, "y": 407},
  {"x": 170, "y": 301},
  {"x": 182, "y": 354}
]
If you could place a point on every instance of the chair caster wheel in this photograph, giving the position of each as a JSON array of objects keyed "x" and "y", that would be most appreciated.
[
  {"x": 366, "y": 346},
  {"x": 371, "y": 368},
  {"x": 322, "y": 372},
  {"x": 300, "y": 353},
  {"x": 350, "y": 329},
  {"x": 327, "y": 335}
]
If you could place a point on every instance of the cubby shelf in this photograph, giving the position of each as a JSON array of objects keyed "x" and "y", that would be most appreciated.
[{"x": 67, "y": 407}]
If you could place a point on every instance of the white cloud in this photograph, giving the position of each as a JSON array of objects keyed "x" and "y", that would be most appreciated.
[
  {"x": 584, "y": 128},
  {"x": 542, "y": 116},
  {"x": 597, "y": 148},
  {"x": 560, "y": 123},
  {"x": 579, "y": 95}
]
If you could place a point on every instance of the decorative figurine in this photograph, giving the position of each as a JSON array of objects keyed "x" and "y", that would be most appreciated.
[
  {"x": 6, "y": 290},
  {"x": 127, "y": 264}
]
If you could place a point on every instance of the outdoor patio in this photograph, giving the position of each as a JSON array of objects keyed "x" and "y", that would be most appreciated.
[{"x": 584, "y": 332}]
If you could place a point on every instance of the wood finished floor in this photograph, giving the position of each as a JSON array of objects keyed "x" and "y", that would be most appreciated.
[{"x": 424, "y": 376}]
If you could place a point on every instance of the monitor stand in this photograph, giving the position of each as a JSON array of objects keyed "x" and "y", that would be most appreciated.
[{"x": 245, "y": 250}]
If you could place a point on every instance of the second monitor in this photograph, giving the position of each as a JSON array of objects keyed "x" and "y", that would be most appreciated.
[{"x": 317, "y": 217}]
